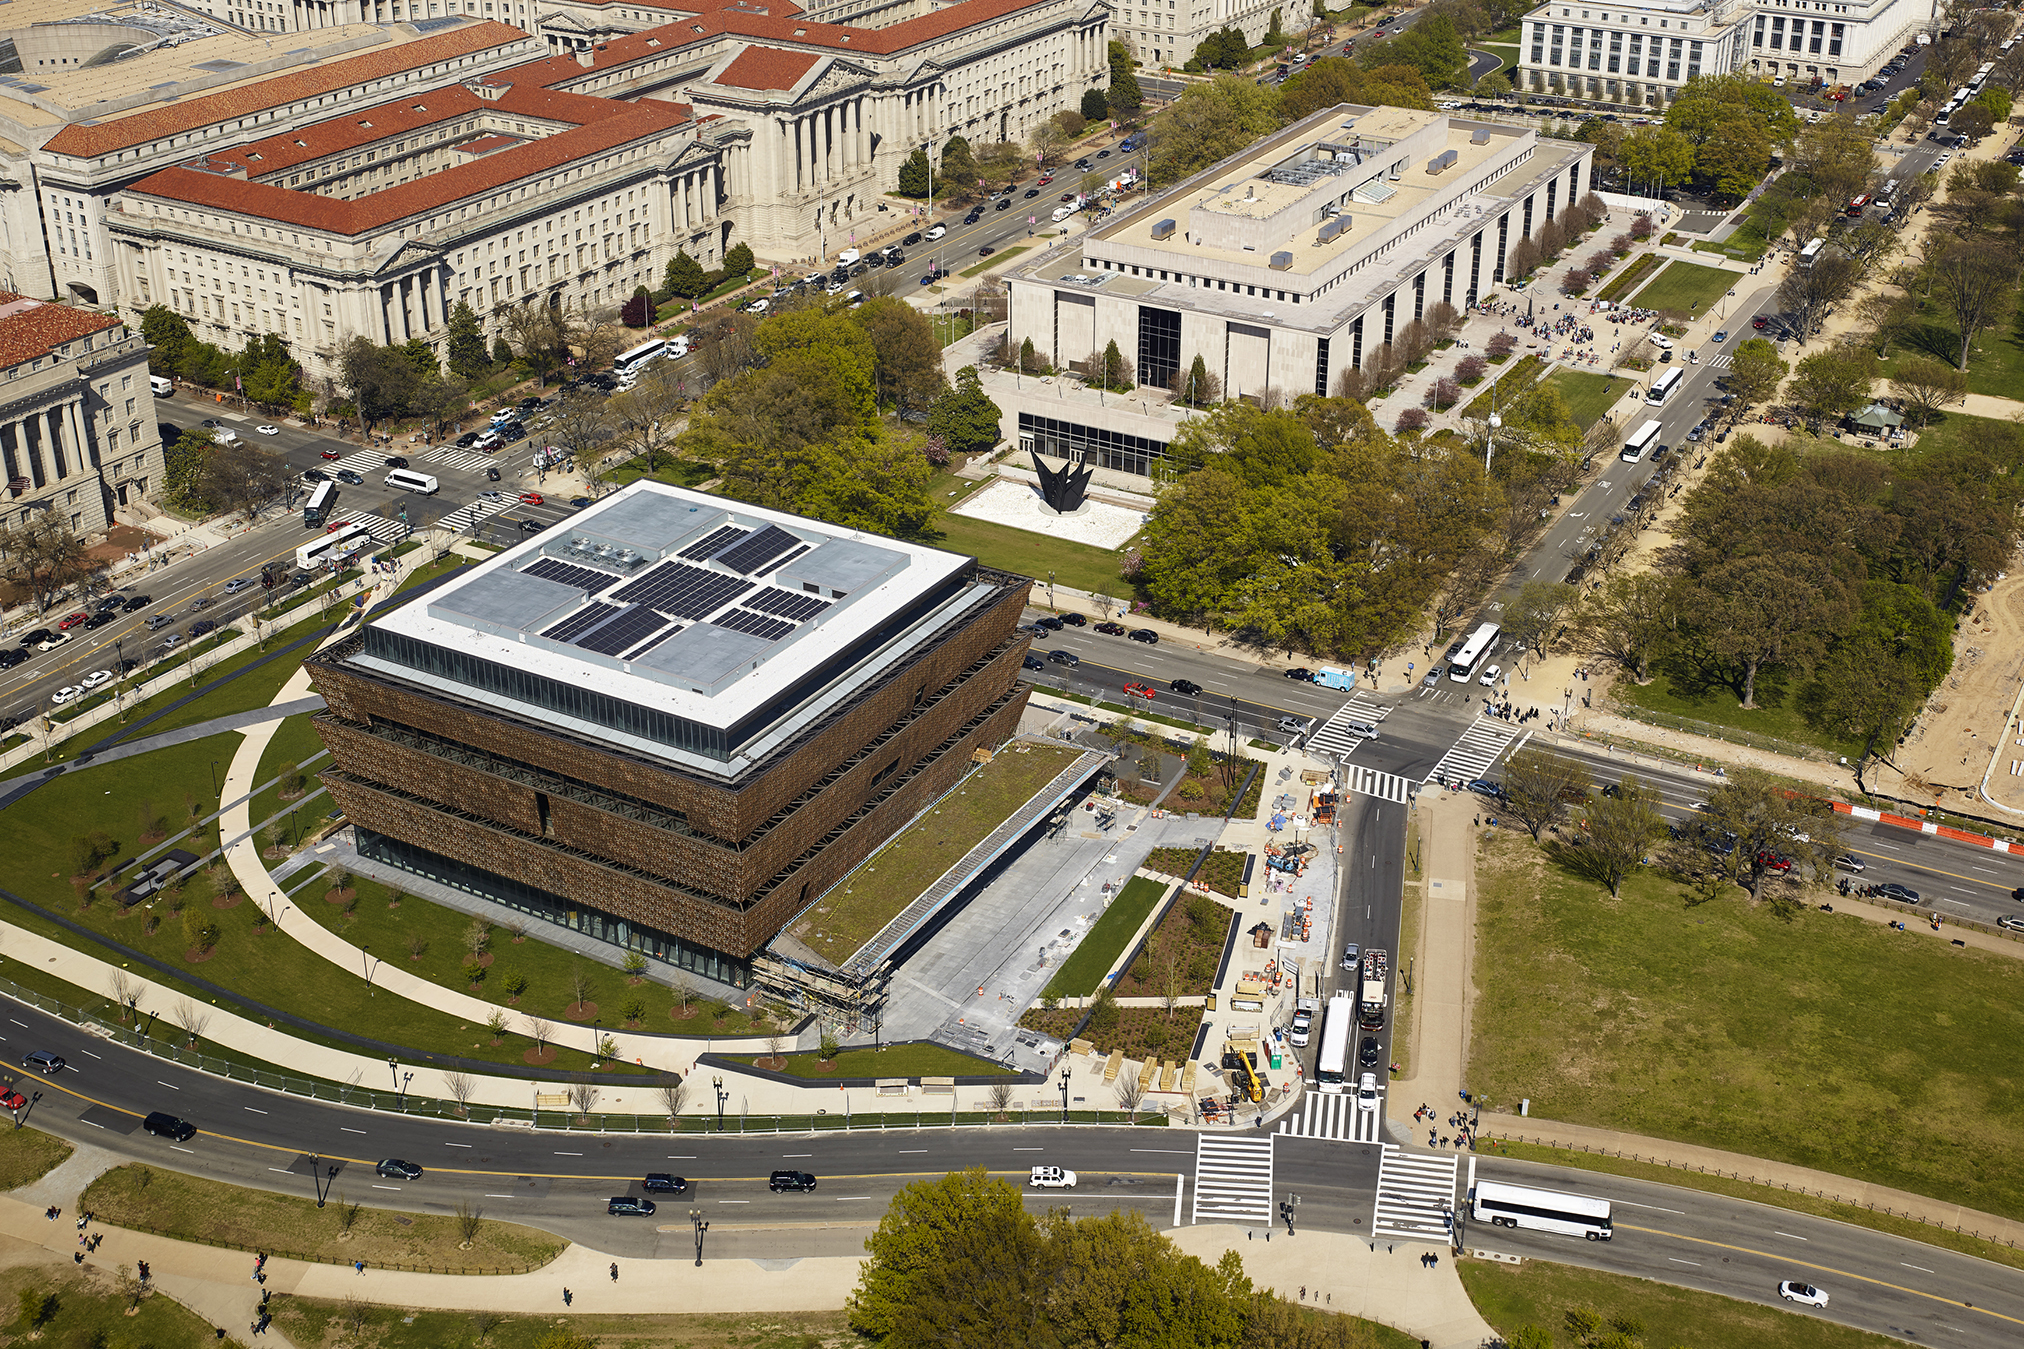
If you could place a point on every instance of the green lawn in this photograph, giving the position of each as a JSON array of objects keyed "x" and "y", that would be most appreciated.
[
  {"x": 1818, "y": 1041},
  {"x": 310, "y": 1321},
  {"x": 84, "y": 1309},
  {"x": 265, "y": 967},
  {"x": 988, "y": 263},
  {"x": 1589, "y": 396},
  {"x": 1995, "y": 361},
  {"x": 1949, "y": 432},
  {"x": 1539, "y": 1293},
  {"x": 1025, "y": 553},
  {"x": 1085, "y": 967},
  {"x": 914, "y": 1060},
  {"x": 295, "y": 741},
  {"x": 668, "y": 469},
  {"x": 950, "y": 328},
  {"x": 873, "y": 894},
  {"x": 1507, "y": 52},
  {"x": 391, "y": 934},
  {"x": 27, "y": 1155},
  {"x": 1687, "y": 287},
  {"x": 1677, "y": 691}
]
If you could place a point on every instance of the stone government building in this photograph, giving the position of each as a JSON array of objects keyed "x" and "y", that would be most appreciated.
[{"x": 331, "y": 170}]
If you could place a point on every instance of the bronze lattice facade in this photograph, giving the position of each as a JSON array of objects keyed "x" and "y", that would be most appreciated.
[{"x": 715, "y": 863}]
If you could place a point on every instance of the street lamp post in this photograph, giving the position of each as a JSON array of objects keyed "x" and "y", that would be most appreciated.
[
  {"x": 365, "y": 958},
  {"x": 1064, "y": 1095},
  {"x": 596, "y": 1041},
  {"x": 717, "y": 1084},
  {"x": 394, "y": 1071},
  {"x": 696, "y": 1221}
]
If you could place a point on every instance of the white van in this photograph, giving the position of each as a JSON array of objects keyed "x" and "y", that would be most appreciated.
[
  {"x": 847, "y": 258},
  {"x": 935, "y": 232},
  {"x": 410, "y": 481},
  {"x": 162, "y": 387}
]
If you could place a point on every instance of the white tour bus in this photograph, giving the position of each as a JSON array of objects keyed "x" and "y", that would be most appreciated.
[
  {"x": 410, "y": 481},
  {"x": 338, "y": 542},
  {"x": 1641, "y": 441},
  {"x": 1332, "y": 1066},
  {"x": 640, "y": 356},
  {"x": 1809, "y": 254},
  {"x": 160, "y": 386},
  {"x": 1663, "y": 386},
  {"x": 1463, "y": 667},
  {"x": 319, "y": 504},
  {"x": 1570, "y": 1215}
]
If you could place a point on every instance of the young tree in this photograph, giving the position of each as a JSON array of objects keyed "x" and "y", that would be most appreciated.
[
  {"x": 467, "y": 343},
  {"x": 1537, "y": 785},
  {"x": 1095, "y": 107},
  {"x": 1110, "y": 369},
  {"x": 914, "y": 174},
  {"x": 964, "y": 416},
  {"x": 638, "y": 311},
  {"x": 1123, "y": 97},
  {"x": 684, "y": 278},
  {"x": 1925, "y": 386},
  {"x": 737, "y": 261},
  {"x": 1622, "y": 827},
  {"x": 1196, "y": 386}
]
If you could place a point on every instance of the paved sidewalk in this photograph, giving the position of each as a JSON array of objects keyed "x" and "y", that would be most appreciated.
[{"x": 1444, "y": 987}]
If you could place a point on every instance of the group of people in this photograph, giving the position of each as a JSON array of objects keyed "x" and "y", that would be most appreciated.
[{"x": 1436, "y": 1139}]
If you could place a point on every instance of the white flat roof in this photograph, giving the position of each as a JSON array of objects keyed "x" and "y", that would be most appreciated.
[{"x": 694, "y": 605}]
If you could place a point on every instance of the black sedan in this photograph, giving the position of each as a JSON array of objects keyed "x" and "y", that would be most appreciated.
[
  {"x": 1903, "y": 894},
  {"x": 1301, "y": 673},
  {"x": 1187, "y": 686},
  {"x": 393, "y": 1168},
  {"x": 1146, "y": 635}
]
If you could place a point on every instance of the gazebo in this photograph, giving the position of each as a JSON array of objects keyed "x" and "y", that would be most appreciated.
[{"x": 1876, "y": 419}]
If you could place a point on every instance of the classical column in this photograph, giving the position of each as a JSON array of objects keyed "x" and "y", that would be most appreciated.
[{"x": 80, "y": 443}]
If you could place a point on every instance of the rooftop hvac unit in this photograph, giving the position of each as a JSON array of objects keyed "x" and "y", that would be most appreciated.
[
  {"x": 1164, "y": 230},
  {"x": 1444, "y": 160},
  {"x": 1331, "y": 231},
  {"x": 1480, "y": 136},
  {"x": 1282, "y": 262}
]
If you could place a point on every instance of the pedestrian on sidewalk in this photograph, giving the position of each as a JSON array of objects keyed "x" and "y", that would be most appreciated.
[
  {"x": 567, "y": 1297},
  {"x": 359, "y": 1266},
  {"x": 614, "y": 1271}
]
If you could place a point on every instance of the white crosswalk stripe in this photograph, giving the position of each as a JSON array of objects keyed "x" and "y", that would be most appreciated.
[
  {"x": 382, "y": 529},
  {"x": 1719, "y": 362},
  {"x": 1412, "y": 1188},
  {"x": 464, "y": 517},
  {"x": 360, "y": 462},
  {"x": 1480, "y": 747},
  {"x": 1233, "y": 1179},
  {"x": 1333, "y": 1115},
  {"x": 1334, "y": 737},
  {"x": 1370, "y": 782},
  {"x": 455, "y": 458}
]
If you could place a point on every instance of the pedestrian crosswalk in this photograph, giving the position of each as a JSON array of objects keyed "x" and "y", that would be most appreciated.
[
  {"x": 1333, "y": 1115},
  {"x": 360, "y": 462},
  {"x": 382, "y": 529},
  {"x": 1415, "y": 1196},
  {"x": 1480, "y": 747},
  {"x": 1334, "y": 736},
  {"x": 1719, "y": 362},
  {"x": 1233, "y": 1179},
  {"x": 466, "y": 517},
  {"x": 450, "y": 457},
  {"x": 1370, "y": 782}
]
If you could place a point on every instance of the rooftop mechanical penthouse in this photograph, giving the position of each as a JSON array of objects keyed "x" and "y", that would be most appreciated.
[{"x": 671, "y": 722}]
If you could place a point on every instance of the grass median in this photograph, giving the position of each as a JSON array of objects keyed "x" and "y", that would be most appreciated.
[
  {"x": 1085, "y": 967},
  {"x": 1539, "y": 1293},
  {"x": 191, "y": 1208},
  {"x": 1823, "y": 1041},
  {"x": 27, "y": 1155},
  {"x": 916, "y": 1060}
]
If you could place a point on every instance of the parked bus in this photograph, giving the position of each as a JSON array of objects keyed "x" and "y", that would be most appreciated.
[
  {"x": 1663, "y": 386},
  {"x": 337, "y": 543},
  {"x": 320, "y": 502},
  {"x": 1463, "y": 666},
  {"x": 640, "y": 356},
  {"x": 1332, "y": 1067},
  {"x": 1811, "y": 253},
  {"x": 1641, "y": 441},
  {"x": 1981, "y": 78},
  {"x": 1544, "y": 1210},
  {"x": 1855, "y": 206}
]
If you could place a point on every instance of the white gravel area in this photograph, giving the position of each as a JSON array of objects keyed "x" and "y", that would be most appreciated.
[{"x": 1018, "y": 504}]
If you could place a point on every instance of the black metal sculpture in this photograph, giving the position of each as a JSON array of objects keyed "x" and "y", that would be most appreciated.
[{"x": 1062, "y": 488}]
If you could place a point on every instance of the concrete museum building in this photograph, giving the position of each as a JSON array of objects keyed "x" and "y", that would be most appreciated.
[{"x": 1280, "y": 267}]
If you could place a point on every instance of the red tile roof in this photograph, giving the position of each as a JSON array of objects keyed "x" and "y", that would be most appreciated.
[
  {"x": 486, "y": 144},
  {"x": 173, "y": 119},
  {"x": 376, "y": 210},
  {"x": 766, "y": 68},
  {"x": 31, "y": 328}
]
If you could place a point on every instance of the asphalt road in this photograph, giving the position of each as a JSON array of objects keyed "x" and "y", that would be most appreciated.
[{"x": 560, "y": 1181}]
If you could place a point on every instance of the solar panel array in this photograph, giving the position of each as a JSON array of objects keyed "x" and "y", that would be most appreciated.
[
  {"x": 684, "y": 591},
  {"x": 749, "y": 554},
  {"x": 628, "y": 629},
  {"x": 772, "y": 567},
  {"x": 717, "y": 538},
  {"x": 583, "y": 578},
  {"x": 585, "y": 618},
  {"x": 658, "y": 638},
  {"x": 787, "y": 604},
  {"x": 759, "y": 625}
]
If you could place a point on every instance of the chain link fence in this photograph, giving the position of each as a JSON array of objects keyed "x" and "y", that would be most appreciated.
[{"x": 1771, "y": 744}]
